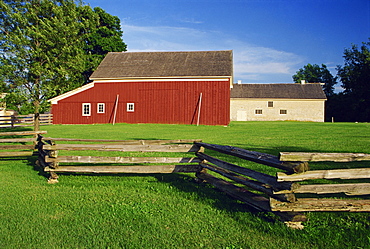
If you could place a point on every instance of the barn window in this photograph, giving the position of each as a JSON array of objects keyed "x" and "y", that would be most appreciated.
[
  {"x": 270, "y": 104},
  {"x": 101, "y": 108},
  {"x": 258, "y": 111},
  {"x": 283, "y": 111},
  {"x": 130, "y": 107},
  {"x": 86, "y": 109}
]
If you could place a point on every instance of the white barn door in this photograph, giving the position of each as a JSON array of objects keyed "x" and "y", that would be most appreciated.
[{"x": 241, "y": 115}]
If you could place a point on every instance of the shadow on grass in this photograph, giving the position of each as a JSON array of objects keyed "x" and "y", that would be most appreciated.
[{"x": 208, "y": 193}]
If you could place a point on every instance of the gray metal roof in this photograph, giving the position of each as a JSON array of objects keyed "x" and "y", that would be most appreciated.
[
  {"x": 278, "y": 91},
  {"x": 165, "y": 64}
]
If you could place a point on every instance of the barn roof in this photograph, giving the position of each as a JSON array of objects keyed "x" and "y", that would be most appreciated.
[
  {"x": 278, "y": 91},
  {"x": 165, "y": 64}
]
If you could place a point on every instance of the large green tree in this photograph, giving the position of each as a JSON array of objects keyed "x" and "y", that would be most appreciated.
[
  {"x": 316, "y": 74},
  {"x": 47, "y": 46},
  {"x": 355, "y": 78},
  {"x": 41, "y": 48}
]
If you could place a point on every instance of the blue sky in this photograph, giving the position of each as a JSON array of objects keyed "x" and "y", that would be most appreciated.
[{"x": 270, "y": 39}]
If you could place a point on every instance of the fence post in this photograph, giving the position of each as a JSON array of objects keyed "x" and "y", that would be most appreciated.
[{"x": 12, "y": 120}]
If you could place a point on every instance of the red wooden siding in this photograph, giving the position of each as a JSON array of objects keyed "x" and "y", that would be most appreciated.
[{"x": 168, "y": 102}]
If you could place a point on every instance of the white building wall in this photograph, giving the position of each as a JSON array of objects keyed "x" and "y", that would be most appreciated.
[{"x": 296, "y": 110}]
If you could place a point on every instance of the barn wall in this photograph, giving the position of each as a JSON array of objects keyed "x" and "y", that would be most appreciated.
[
  {"x": 296, "y": 110},
  {"x": 172, "y": 102}
]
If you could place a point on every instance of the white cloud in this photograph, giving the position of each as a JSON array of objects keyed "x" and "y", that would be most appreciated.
[
  {"x": 190, "y": 20},
  {"x": 252, "y": 63}
]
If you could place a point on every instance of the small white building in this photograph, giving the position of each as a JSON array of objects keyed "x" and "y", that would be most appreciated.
[{"x": 277, "y": 102}]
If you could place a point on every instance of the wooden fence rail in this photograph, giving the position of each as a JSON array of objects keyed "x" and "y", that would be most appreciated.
[
  {"x": 358, "y": 190},
  {"x": 288, "y": 199},
  {"x": 14, "y": 144},
  {"x": 320, "y": 157},
  {"x": 24, "y": 120},
  {"x": 52, "y": 163}
]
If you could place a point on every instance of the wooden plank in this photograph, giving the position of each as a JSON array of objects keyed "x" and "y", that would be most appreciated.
[
  {"x": 25, "y": 116},
  {"x": 319, "y": 157},
  {"x": 323, "y": 205},
  {"x": 23, "y": 125},
  {"x": 95, "y": 159},
  {"x": 348, "y": 189},
  {"x": 15, "y": 153},
  {"x": 128, "y": 142},
  {"x": 150, "y": 169},
  {"x": 257, "y": 201},
  {"x": 254, "y": 200},
  {"x": 120, "y": 147},
  {"x": 24, "y": 120},
  {"x": 261, "y": 177},
  {"x": 17, "y": 140},
  {"x": 261, "y": 187},
  {"x": 258, "y": 157},
  {"x": 17, "y": 147},
  {"x": 361, "y": 173},
  {"x": 22, "y": 133}
]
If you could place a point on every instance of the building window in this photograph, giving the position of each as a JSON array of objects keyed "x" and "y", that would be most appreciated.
[
  {"x": 258, "y": 111},
  {"x": 101, "y": 108},
  {"x": 86, "y": 109},
  {"x": 130, "y": 107},
  {"x": 270, "y": 104},
  {"x": 283, "y": 111}
]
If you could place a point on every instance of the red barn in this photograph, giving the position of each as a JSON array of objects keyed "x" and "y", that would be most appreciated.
[{"x": 152, "y": 87}]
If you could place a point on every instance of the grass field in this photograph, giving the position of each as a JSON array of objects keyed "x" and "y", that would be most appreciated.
[{"x": 172, "y": 211}]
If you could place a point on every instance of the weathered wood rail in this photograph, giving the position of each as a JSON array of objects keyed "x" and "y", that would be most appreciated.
[
  {"x": 252, "y": 181},
  {"x": 359, "y": 190},
  {"x": 281, "y": 193},
  {"x": 15, "y": 144},
  {"x": 320, "y": 157},
  {"x": 24, "y": 120},
  {"x": 54, "y": 163}
]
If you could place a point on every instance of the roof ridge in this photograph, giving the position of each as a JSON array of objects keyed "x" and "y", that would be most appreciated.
[
  {"x": 190, "y": 51},
  {"x": 285, "y": 91}
]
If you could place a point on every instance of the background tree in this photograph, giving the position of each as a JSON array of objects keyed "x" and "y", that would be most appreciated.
[
  {"x": 355, "y": 78},
  {"x": 48, "y": 45},
  {"x": 316, "y": 74},
  {"x": 3, "y": 87},
  {"x": 107, "y": 37}
]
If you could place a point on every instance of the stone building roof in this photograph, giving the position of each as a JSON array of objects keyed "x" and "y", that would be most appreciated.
[{"x": 278, "y": 91}]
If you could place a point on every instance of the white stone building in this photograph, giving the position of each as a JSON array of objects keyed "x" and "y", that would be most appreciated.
[{"x": 277, "y": 102}]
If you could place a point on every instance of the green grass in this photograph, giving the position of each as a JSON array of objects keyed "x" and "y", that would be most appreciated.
[{"x": 171, "y": 210}]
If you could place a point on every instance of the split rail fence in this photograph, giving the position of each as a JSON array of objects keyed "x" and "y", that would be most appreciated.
[
  {"x": 181, "y": 157},
  {"x": 24, "y": 120},
  {"x": 284, "y": 194},
  {"x": 18, "y": 144},
  {"x": 354, "y": 182}
]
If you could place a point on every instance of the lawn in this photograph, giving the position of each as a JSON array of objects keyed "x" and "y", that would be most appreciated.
[{"x": 172, "y": 210}]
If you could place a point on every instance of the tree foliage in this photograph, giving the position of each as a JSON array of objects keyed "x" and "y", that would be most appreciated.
[
  {"x": 46, "y": 46},
  {"x": 106, "y": 37},
  {"x": 355, "y": 78},
  {"x": 316, "y": 74}
]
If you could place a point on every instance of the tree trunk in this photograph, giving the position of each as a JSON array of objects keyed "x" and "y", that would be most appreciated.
[{"x": 36, "y": 124}]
